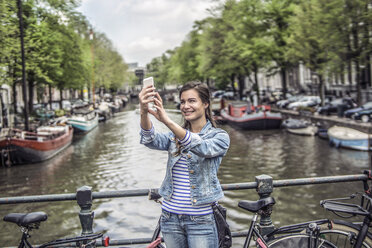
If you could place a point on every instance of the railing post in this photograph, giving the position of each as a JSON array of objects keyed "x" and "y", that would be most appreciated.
[
  {"x": 84, "y": 199},
  {"x": 264, "y": 189}
]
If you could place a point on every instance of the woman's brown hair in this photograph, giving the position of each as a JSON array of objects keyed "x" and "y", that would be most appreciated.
[{"x": 205, "y": 96}]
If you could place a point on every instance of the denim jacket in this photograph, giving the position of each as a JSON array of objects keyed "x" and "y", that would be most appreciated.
[{"x": 204, "y": 154}]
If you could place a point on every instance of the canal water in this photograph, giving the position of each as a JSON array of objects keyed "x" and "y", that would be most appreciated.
[{"x": 111, "y": 158}]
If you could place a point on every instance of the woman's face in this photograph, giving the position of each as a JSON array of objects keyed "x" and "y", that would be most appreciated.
[{"x": 192, "y": 107}]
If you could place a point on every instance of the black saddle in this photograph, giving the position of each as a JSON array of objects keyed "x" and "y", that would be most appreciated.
[
  {"x": 26, "y": 219},
  {"x": 255, "y": 206}
]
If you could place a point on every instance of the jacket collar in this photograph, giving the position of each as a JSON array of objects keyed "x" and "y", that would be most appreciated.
[{"x": 206, "y": 127}]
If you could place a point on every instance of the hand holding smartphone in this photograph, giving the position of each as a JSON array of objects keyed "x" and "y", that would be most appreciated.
[{"x": 146, "y": 82}]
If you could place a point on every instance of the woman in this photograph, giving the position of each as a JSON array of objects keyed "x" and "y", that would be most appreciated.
[{"x": 195, "y": 151}]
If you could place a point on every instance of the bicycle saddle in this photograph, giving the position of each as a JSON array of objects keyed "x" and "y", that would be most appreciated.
[
  {"x": 255, "y": 206},
  {"x": 26, "y": 219}
]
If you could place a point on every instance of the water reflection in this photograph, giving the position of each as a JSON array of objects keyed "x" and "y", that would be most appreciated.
[{"x": 111, "y": 158}]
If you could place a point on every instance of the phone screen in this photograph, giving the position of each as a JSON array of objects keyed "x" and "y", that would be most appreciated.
[{"x": 148, "y": 81}]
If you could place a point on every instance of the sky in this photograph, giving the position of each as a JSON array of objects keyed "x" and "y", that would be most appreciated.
[{"x": 144, "y": 29}]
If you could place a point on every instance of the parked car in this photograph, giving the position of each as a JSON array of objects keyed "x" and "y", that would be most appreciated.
[
  {"x": 284, "y": 103},
  {"x": 349, "y": 113},
  {"x": 228, "y": 95},
  {"x": 364, "y": 115},
  {"x": 277, "y": 96},
  {"x": 306, "y": 101},
  {"x": 337, "y": 105},
  {"x": 218, "y": 94}
]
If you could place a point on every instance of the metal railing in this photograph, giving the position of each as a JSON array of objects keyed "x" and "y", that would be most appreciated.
[{"x": 263, "y": 184}]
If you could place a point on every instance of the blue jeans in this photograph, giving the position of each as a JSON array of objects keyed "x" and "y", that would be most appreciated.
[{"x": 189, "y": 231}]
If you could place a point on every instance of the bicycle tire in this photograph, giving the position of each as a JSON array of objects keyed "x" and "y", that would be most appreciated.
[
  {"x": 299, "y": 240},
  {"x": 343, "y": 234}
]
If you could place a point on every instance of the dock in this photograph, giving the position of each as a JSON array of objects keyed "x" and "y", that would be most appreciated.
[{"x": 324, "y": 120}]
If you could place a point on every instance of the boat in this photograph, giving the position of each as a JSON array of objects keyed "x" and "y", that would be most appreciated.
[
  {"x": 23, "y": 147},
  {"x": 248, "y": 117},
  {"x": 349, "y": 138},
  {"x": 104, "y": 112},
  {"x": 323, "y": 133},
  {"x": 300, "y": 127},
  {"x": 83, "y": 119}
]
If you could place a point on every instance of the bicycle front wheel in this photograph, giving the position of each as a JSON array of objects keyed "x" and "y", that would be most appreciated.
[
  {"x": 344, "y": 235},
  {"x": 300, "y": 241}
]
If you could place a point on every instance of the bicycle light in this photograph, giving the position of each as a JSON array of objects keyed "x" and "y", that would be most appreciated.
[{"x": 105, "y": 241}]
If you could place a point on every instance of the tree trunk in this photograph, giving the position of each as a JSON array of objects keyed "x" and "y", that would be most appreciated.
[
  {"x": 14, "y": 87},
  {"x": 208, "y": 82},
  {"x": 241, "y": 86},
  {"x": 284, "y": 82},
  {"x": 60, "y": 99},
  {"x": 342, "y": 74},
  {"x": 349, "y": 63},
  {"x": 24, "y": 81},
  {"x": 31, "y": 86},
  {"x": 50, "y": 95},
  {"x": 321, "y": 89},
  {"x": 232, "y": 79},
  {"x": 368, "y": 71},
  {"x": 356, "y": 61},
  {"x": 256, "y": 86}
]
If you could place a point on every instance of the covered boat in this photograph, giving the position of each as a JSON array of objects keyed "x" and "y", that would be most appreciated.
[
  {"x": 21, "y": 147},
  {"x": 83, "y": 119},
  {"x": 349, "y": 138},
  {"x": 248, "y": 117},
  {"x": 300, "y": 127}
]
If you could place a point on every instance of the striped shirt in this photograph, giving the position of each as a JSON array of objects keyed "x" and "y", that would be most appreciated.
[{"x": 180, "y": 201}]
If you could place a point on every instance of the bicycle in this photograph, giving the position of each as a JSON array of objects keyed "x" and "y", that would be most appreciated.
[
  {"x": 156, "y": 239},
  {"x": 302, "y": 235},
  {"x": 30, "y": 221},
  {"x": 349, "y": 234},
  {"x": 323, "y": 233}
]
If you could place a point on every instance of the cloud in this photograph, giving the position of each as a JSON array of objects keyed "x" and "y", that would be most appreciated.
[{"x": 144, "y": 29}]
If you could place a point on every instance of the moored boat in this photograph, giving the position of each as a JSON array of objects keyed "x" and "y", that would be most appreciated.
[
  {"x": 244, "y": 116},
  {"x": 104, "y": 112},
  {"x": 21, "y": 147},
  {"x": 349, "y": 138},
  {"x": 83, "y": 119},
  {"x": 300, "y": 127}
]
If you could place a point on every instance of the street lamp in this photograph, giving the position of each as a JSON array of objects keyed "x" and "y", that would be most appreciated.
[{"x": 91, "y": 38}]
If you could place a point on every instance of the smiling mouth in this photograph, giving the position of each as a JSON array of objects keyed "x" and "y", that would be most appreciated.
[{"x": 187, "y": 113}]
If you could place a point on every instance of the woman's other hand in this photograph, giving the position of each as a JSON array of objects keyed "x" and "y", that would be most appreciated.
[
  {"x": 145, "y": 96},
  {"x": 160, "y": 113}
]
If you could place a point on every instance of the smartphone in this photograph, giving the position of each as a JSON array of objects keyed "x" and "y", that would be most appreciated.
[{"x": 146, "y": 82}]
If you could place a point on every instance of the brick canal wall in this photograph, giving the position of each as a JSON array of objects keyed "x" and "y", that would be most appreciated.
[{"x": 325, "y": 121}]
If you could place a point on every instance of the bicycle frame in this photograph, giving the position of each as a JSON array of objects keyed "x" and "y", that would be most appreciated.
[
  {"x": 296, "y": 228},
  {"x": 366, "y": 222},
  {"x": 354, "y": 209},
  {"x": 253, "y": 230},
  {"x": 24, "y": 242},
  {"x": 92, "y": 238}
]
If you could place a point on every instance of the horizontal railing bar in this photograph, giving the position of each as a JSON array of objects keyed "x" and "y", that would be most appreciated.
[
  {"x": 144, "y": 192},
  {"x": 120, "y": 193},
  {"x": 319, "y": 180},
  {"x": 139, "y": 241},
  {"x": 37, "y": 198},
  {"x": 148, "y": 240}
]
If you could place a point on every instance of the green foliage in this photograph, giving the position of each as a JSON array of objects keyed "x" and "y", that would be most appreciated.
[{"x": 57, "y": 47}]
